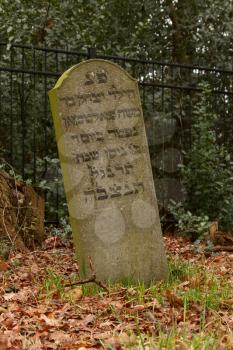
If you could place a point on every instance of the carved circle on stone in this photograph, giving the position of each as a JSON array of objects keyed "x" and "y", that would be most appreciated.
[
  {"x": 143, "y": 214},
  {"x": 110, "y": 225},
  {"x": 81, "y": 206}
]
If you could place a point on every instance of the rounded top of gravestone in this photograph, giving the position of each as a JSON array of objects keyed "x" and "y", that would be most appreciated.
[{"x": 103, "y": 62}]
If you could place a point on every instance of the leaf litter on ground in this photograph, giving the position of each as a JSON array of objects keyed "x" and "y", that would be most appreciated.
[{"x": 192, "y": 310}]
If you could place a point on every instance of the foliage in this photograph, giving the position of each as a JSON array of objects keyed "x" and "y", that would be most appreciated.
[
  {"x": 64, "y": 229},
  {"x": 189, "y": 223},
  {"x": 207, "y": 172},
  {"x": 182, "y": 31}
]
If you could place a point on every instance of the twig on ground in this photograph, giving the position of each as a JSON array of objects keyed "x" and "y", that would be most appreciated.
[
  {"x": 227, "y": 248},
  {"x": 91, "y": 279}
]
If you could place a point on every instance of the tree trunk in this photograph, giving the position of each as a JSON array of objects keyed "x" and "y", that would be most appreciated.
[{"x": 21, "y": 213}]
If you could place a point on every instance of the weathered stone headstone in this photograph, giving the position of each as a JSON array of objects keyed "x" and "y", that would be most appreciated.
[{"x": 107, "y": 173}]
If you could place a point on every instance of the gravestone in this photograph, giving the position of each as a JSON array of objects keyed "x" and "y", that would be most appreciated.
[{"x": 107, "y": 173}]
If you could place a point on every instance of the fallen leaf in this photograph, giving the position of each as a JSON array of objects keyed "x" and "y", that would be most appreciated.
[
  {"x": 2, "y": 310},
  {"x": 196, "y": 281},
  {"x": 61, "y": 337},
  {"x": 113, "y": 342},
  {"x": 89, "y": 319},
  {"x": 173, "y": 299},
  {"x": 74, "y": 294},
  {"x": 154, "y": 304},
  {"x": 121, "y": 340},
  {"x": 213, "y": 230},
  {"x": 105, "y": 324},
  {"x": 180, "y": 345},
  {"x": 132, "y": 291},
  {"x": 117, "y": 304},
  {"x": 4, "y": 343},
  {"x": 150, "y": 316},
  {"x": 9, "y": 296},
  {"x": 138, "y": 307},
  {"x": 32, "y": 344},
  {"x": 127, "y": 340},
  {"x": 227, "y": 303},
  {"x": 3, "y": 266},
  {"x": 52, "y": 322}
]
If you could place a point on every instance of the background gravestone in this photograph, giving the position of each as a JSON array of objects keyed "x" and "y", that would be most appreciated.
[{"x": 107, "y": 173}]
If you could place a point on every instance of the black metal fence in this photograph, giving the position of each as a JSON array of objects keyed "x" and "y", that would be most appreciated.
[{"x": 168, "y": 93}]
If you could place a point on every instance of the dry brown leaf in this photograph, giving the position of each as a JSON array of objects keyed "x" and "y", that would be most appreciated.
[
  {"x": 74, "y": 294},
  {"x": 117, "y": 304},
  {"x": 52, "y": 322},
  {"x": 132, "y": 291},
  {"x": 127, "y": 340},
  {"x": 196, "y": 281},
  {"x": 228, "y": 302},
  {"x": 89, "y": 319},
  {"x": 173, "y": 299},
  {"x": 113, "y": 342},
  {"x": 22, "y": 296},
  {"x": 9, "y": 296},
  {"x": 61, "y": 337},
  {"x": 138, "y": 307},
  {"x": 213, "y": 229},
  {"x": 154, "y": 304},
  {"x": 181, "y": 345},
  {"x": 34, "y": 268},
  {"x": 105, "y": 324},
  {"x": 120, "y": 341},
  {"x": 82, "y": 345},
  {"x": 3, "y": 266},
  {"x": 4, "y": 343},
  {"x": 3, "y": 310},
  {"x": 226, "y": 342},
  {"x": 150, "y": 316},
  {"x": 103, "y": 335},
  {"x": 30, "y": 344}
]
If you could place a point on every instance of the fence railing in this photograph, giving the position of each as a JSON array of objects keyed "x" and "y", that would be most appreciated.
[{"x": 169, "y": 93}]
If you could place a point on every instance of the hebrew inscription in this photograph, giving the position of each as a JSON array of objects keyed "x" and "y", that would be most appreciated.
[{"x": 107, "y": 173}]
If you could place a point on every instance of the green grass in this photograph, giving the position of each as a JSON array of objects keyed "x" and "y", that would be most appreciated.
[
  {"x": 52, "y": 284},
  {"x": 190, "y": 282},
  {"x": 171, "y": 341},
  {"x": 91, "y": 289}
]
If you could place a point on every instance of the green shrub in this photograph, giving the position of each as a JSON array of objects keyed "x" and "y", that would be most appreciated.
[{"x": 206, "y": 173}]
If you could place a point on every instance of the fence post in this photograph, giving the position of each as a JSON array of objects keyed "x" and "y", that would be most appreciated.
[{"x": 91, "y": 52}]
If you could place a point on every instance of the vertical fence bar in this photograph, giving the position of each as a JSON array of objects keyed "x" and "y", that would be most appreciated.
[
  {"x": 163, "y": 122},
  {"x": 22, "y": 117},
  {"x": 34, "y": 119},
  {"x": 172, "y": 112},
  {"x": 45, "y": 107},
  {"x": 44, "y": 119},
  {"x": 11, "y": 109},
  {"x": 153, "y": 109},
  {"x": 57, "y": 174},
  {"x": 91, "y": 52}
]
